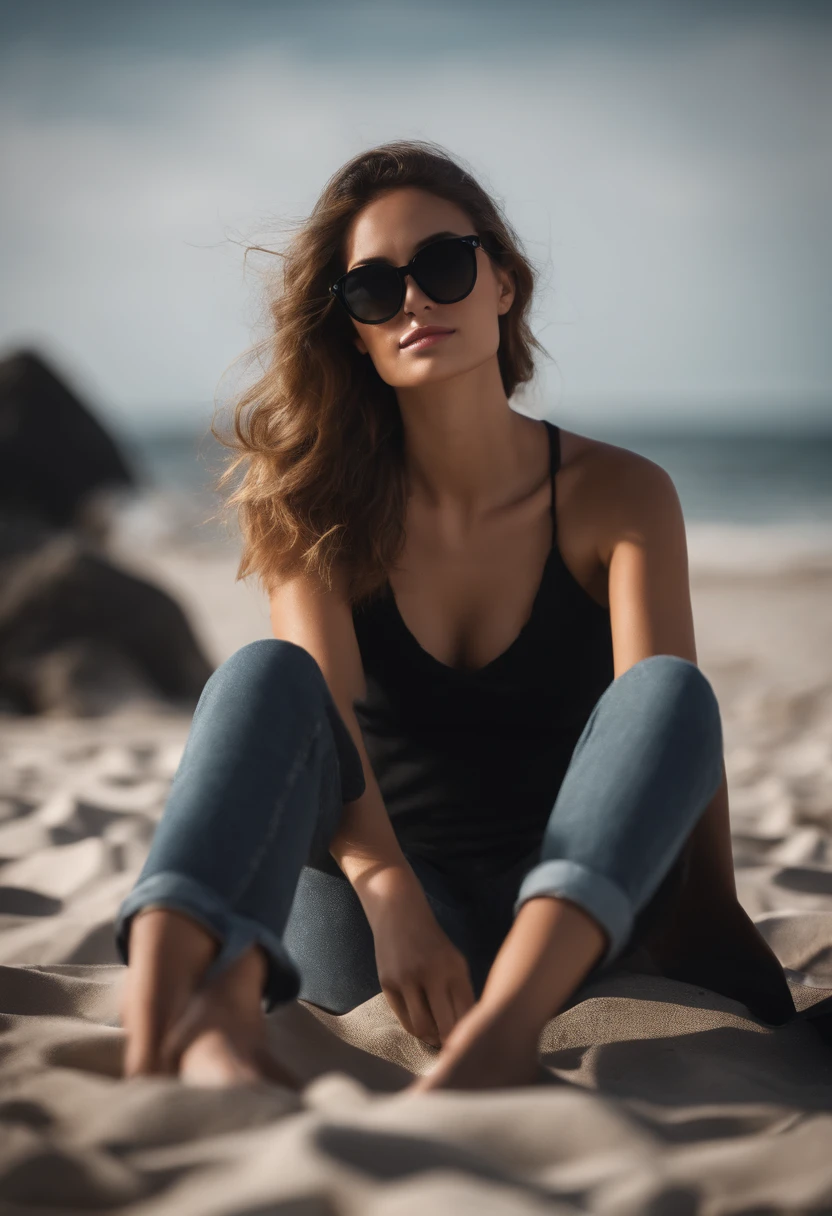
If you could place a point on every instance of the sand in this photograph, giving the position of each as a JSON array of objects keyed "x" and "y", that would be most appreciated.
[{"x": 665, "y": 1097}]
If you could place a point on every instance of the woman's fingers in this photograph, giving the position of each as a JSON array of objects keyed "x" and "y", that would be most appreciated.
[
  {"x": 442, "y": 1009},
  {"x": 397, "y": 1003},
  {"x": 424, "y": 1025},
  {"x": 461, "y": 996}
]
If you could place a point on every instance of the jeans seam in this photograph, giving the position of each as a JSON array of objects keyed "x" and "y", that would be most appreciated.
[{"x": 300, "y": 760}]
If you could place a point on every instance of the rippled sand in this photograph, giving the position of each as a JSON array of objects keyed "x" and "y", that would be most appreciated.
[{"x": 663, "y": 1093}]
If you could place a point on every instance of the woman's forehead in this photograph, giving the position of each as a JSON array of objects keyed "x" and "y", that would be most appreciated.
[{"x": 393, "y": 226}]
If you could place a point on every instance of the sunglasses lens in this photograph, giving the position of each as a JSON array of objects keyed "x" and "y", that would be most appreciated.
[
  {"x": 372, "y": 293},
  {"x": 446, "y": 270}
]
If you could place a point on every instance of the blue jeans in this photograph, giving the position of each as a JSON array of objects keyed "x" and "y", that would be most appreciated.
[{"x": 243, "y": 844}]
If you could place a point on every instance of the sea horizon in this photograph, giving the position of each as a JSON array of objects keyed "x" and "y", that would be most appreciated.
[{"x": 752, "y": 499}]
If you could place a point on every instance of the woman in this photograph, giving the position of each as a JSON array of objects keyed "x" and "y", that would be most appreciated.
[{"x": 477, "y": 763}]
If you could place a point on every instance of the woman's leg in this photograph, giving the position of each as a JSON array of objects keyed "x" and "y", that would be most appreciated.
[
  {"x": 266, "y": 769},
  {"x": 643, "y": 771},
  {"x": 645, "y": 767},
  {"x": 242, "y": 849}
]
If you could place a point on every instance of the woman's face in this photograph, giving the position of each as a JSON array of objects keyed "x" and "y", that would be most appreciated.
[{"x": 390, "y": 227}]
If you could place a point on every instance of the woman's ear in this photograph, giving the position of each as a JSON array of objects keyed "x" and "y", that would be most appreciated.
[
  {"x": 507, "y": 290},
  {"x": 360, "y": 346}
]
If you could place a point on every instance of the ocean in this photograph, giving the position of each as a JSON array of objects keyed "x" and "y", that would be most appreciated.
[{"x": 756, "y": 500}]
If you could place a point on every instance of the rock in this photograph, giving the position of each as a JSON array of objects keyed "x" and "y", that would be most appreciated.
[
  {"x": 55, "y": 457},
  {"x": 78, "y": 635}
]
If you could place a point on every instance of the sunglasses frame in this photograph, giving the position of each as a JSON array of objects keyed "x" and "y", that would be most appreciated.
[{"x": 337, "y": 288}]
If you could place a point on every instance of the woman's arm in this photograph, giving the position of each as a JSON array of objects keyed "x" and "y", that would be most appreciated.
[
  {"x": 645, "y": 550},
  {"x": 365, "y": 846},
  {"x": 710, "y": 939},
  {"x": 424, "y": 977}
]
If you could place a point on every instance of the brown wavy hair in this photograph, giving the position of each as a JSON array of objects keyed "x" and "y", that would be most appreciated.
[{"x": 319, "y": 436}]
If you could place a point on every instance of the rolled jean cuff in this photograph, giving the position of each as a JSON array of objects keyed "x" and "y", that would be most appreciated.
[
  {"x": 236, "y": 933},
  {"x": 602, "y": 899}
]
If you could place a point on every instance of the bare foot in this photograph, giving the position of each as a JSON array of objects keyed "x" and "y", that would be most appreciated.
[
  {"x": 218, "y": 1044},
  {"x": 221, "y": 1037},
  {"x": 176, "y": 1024},
  {"x": 169, "y": 954},
  {"x": 484, "y": 1051}
]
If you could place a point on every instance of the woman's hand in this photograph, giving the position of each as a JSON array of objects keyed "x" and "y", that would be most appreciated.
[{"x": 424, "y": 977}]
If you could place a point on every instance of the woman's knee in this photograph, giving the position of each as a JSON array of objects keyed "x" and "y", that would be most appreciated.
[
  {"x": 269, "y": 669},
  {"x": 684, "y": 702},
  {"x": 679, "y": 682}
]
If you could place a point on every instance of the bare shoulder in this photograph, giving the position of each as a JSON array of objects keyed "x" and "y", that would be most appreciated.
[
  {"x": 634, "y": 521},
  {"x": 614, "y": 492}
]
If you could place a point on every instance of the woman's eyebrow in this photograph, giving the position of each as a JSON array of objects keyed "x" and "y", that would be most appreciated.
[{"x": 426, "y": 240}]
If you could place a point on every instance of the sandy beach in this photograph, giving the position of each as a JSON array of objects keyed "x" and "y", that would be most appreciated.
[{"x": 665, "y": 1097}]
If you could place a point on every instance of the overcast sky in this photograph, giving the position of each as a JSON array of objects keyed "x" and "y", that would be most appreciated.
[{"x": 668, "y": 168}]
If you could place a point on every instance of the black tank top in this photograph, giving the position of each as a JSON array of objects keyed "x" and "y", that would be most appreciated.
[{"x": 469, "y": 762}]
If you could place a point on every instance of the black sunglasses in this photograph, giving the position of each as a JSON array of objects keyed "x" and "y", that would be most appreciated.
[{"x": 446, "y": 271}]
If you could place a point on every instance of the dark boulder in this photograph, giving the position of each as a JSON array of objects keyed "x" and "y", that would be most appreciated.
[
  {"x": 54, "y": 454},
  {"x": 79, "y": 635}
]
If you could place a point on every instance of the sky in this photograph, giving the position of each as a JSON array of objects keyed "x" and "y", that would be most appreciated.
[{"x": 668, "y": 167}]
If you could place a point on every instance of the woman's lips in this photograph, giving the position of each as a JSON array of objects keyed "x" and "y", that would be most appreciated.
[{"x": 429, "y": 340}]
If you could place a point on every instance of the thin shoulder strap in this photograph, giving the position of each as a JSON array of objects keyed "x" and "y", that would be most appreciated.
[{"x": 554, "y": 464}]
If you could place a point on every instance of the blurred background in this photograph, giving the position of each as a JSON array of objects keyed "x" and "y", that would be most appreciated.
[{"x": 668, "y": 167}]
